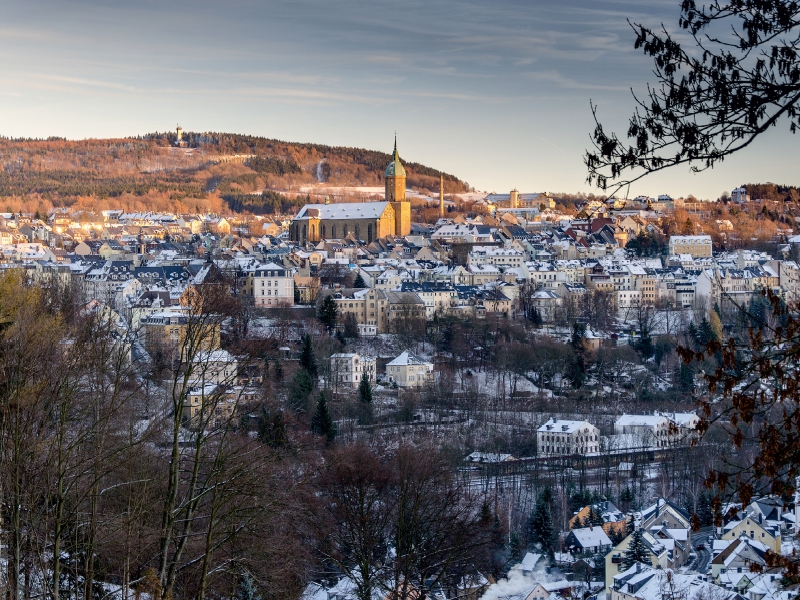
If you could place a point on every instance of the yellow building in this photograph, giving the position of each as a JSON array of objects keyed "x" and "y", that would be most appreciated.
[
  {"x": 368, "y": 221},
  {"x": 756, "y": 529},
  {"x": 168, "y": 329}
]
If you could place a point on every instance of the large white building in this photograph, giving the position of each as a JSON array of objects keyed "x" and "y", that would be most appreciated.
[
  {"x": 347, "y": 369},
  {"x": 559, "y": 437},
  {"x": 273, "y": 285},
  {"x": 699, "y": 246}
]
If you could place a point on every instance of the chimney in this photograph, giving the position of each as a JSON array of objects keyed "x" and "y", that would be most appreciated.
[{"x": 441, "y": 196}]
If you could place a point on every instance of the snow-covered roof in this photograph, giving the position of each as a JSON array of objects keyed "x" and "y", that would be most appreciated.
[
  {"x": 564, "y": 426},
  {"x": 346, "y": 210},
  {"x": 591, "y": 537},
  {"x": 408, "y": 358}
]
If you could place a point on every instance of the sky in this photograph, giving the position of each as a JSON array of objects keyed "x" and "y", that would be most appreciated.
[{"x": 495, "y": 92}]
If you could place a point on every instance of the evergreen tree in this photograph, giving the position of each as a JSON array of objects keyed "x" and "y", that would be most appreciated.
[
  {"x": 328, "y": 313},
  {"x": 322, "y": 423},
  {"x": 359, "y": 282},
  {"x": 595, "y": 518},
  {"x": 637, "y": 551},
  {"x": 541, "y": 532},
  {"x": 535, "y": 317},
  {"x": 365, "y": 390},
  {"x": 272, "y": 428},
  {"x": 617, "y": 534},
  {"x": 626, "y": 498},
  {"x": 247, "y": 590},
  {"x": 299, "y": 390},
  {"x": 278, "y": 370},
  {"x": 515, "y": 549},
  {"x": 686, "y": 377},
  {"x": 307, "y": 359},
  {"x": 577, "y": 370},
  {"x": 704, "y": 512},
  {"x": 644, "y": 345}
]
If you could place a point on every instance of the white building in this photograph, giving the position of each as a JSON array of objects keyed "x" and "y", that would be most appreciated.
[
  {"x": 213, "y": 367},
  {"x": 273, "y": 285},
  {"x": 653, "y": 430},
  {"x": 559, "y": 437},
  {"x": 740, "y": 195},
  {"x": 348, "y": 368},
  {"x": 696, "y": 245},
  {"x": 409, "y": 370}
]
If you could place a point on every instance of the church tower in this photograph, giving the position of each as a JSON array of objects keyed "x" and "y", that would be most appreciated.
[{"x": 395, "y": 180}]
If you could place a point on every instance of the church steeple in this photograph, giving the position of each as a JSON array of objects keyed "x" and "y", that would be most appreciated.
[
  {"x": 395, "y": 182},
  {"x": 395, "y": 168}
]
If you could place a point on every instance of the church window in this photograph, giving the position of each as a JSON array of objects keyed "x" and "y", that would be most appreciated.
[
  {"x": 369, "y": 233},
  {"x": 333, "y": 231},
  {"x": 304, "y": 233},
  {"x": 313, "y": 231},
  {"x": 344, "y": 233},
  {"x": 322, "y": 229}
]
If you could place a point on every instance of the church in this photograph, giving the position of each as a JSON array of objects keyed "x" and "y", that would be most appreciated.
[{"x": 368, "y": 221}]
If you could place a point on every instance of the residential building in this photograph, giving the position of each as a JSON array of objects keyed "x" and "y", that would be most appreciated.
[
  {"x": 560, "y": 437},
  {"x": 347, "y": 369},
  {"x": 697, "y": 245},
  {"x": 409, "y": 370},
  {"x": 273, "y": 285}
]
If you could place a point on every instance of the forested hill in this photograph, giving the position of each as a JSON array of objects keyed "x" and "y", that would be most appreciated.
[{"x": 211, "y": 171}]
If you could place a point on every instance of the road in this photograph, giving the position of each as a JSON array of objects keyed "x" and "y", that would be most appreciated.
[{"x": 703, "y": 556}]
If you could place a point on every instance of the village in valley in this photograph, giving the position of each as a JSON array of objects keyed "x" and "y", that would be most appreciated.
[{"x": 532, "y": 341}]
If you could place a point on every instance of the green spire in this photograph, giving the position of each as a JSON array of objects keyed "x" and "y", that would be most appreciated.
[{"x": 395, "y": 168}]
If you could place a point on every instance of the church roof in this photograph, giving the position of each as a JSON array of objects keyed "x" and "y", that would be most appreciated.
[
  {"x": 395, "y": 168},
  {"x": 344, "y": 210}
]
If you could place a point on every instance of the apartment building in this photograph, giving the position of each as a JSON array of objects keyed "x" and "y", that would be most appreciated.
[
  {"x": 699, "y": 246},
  {"x": 347, "y": 369},
  {"x": 561, "y": 437},
  {"x": 273, "y": 285},
  {"x": 409, "y": 370}
]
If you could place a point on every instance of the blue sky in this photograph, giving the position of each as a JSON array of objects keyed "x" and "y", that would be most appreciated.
[{"x": 496, "y": 92}]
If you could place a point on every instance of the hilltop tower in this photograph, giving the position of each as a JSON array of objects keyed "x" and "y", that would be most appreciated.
[
  {"x": 441, "y": 196},
  {"x": 180, "y": 133},
  {"x": 395, "y": 182}
]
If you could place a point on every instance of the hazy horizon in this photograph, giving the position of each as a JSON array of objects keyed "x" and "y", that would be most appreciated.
[{"x": 496, "y": 95}]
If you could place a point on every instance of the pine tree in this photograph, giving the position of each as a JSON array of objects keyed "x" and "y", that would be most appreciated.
[
  {"x": 322, "y": 423},
  {"x": 516, "y": 553},
  {"x": 359, "y": 282},
  {"x": 307, "y": 359},
  {"x": 272, "y": 428},
  {"x": 595, "y": 518},
  {"x": 365, "y": 390},
  {"x": 541, "y": 532},
  {"x": 299, "y": 390},
  {"x": 247, "y": 590},
  {"x": 278, "y": 370},
  {"x": 637, "y": 551},
  {"x": 328, "y": 313}
]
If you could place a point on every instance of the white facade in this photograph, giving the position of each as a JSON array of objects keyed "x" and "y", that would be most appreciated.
[
  {"x": 273, "y": 285},
  {"x": 696, "y": 245},
  {"x": 348, "y": 368},
  {"x": 653, "y": 430},
  {"x": 559, "y": 437},
  {"x": 740, "y": 195},
  {"x": 215, "y": 367}
]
